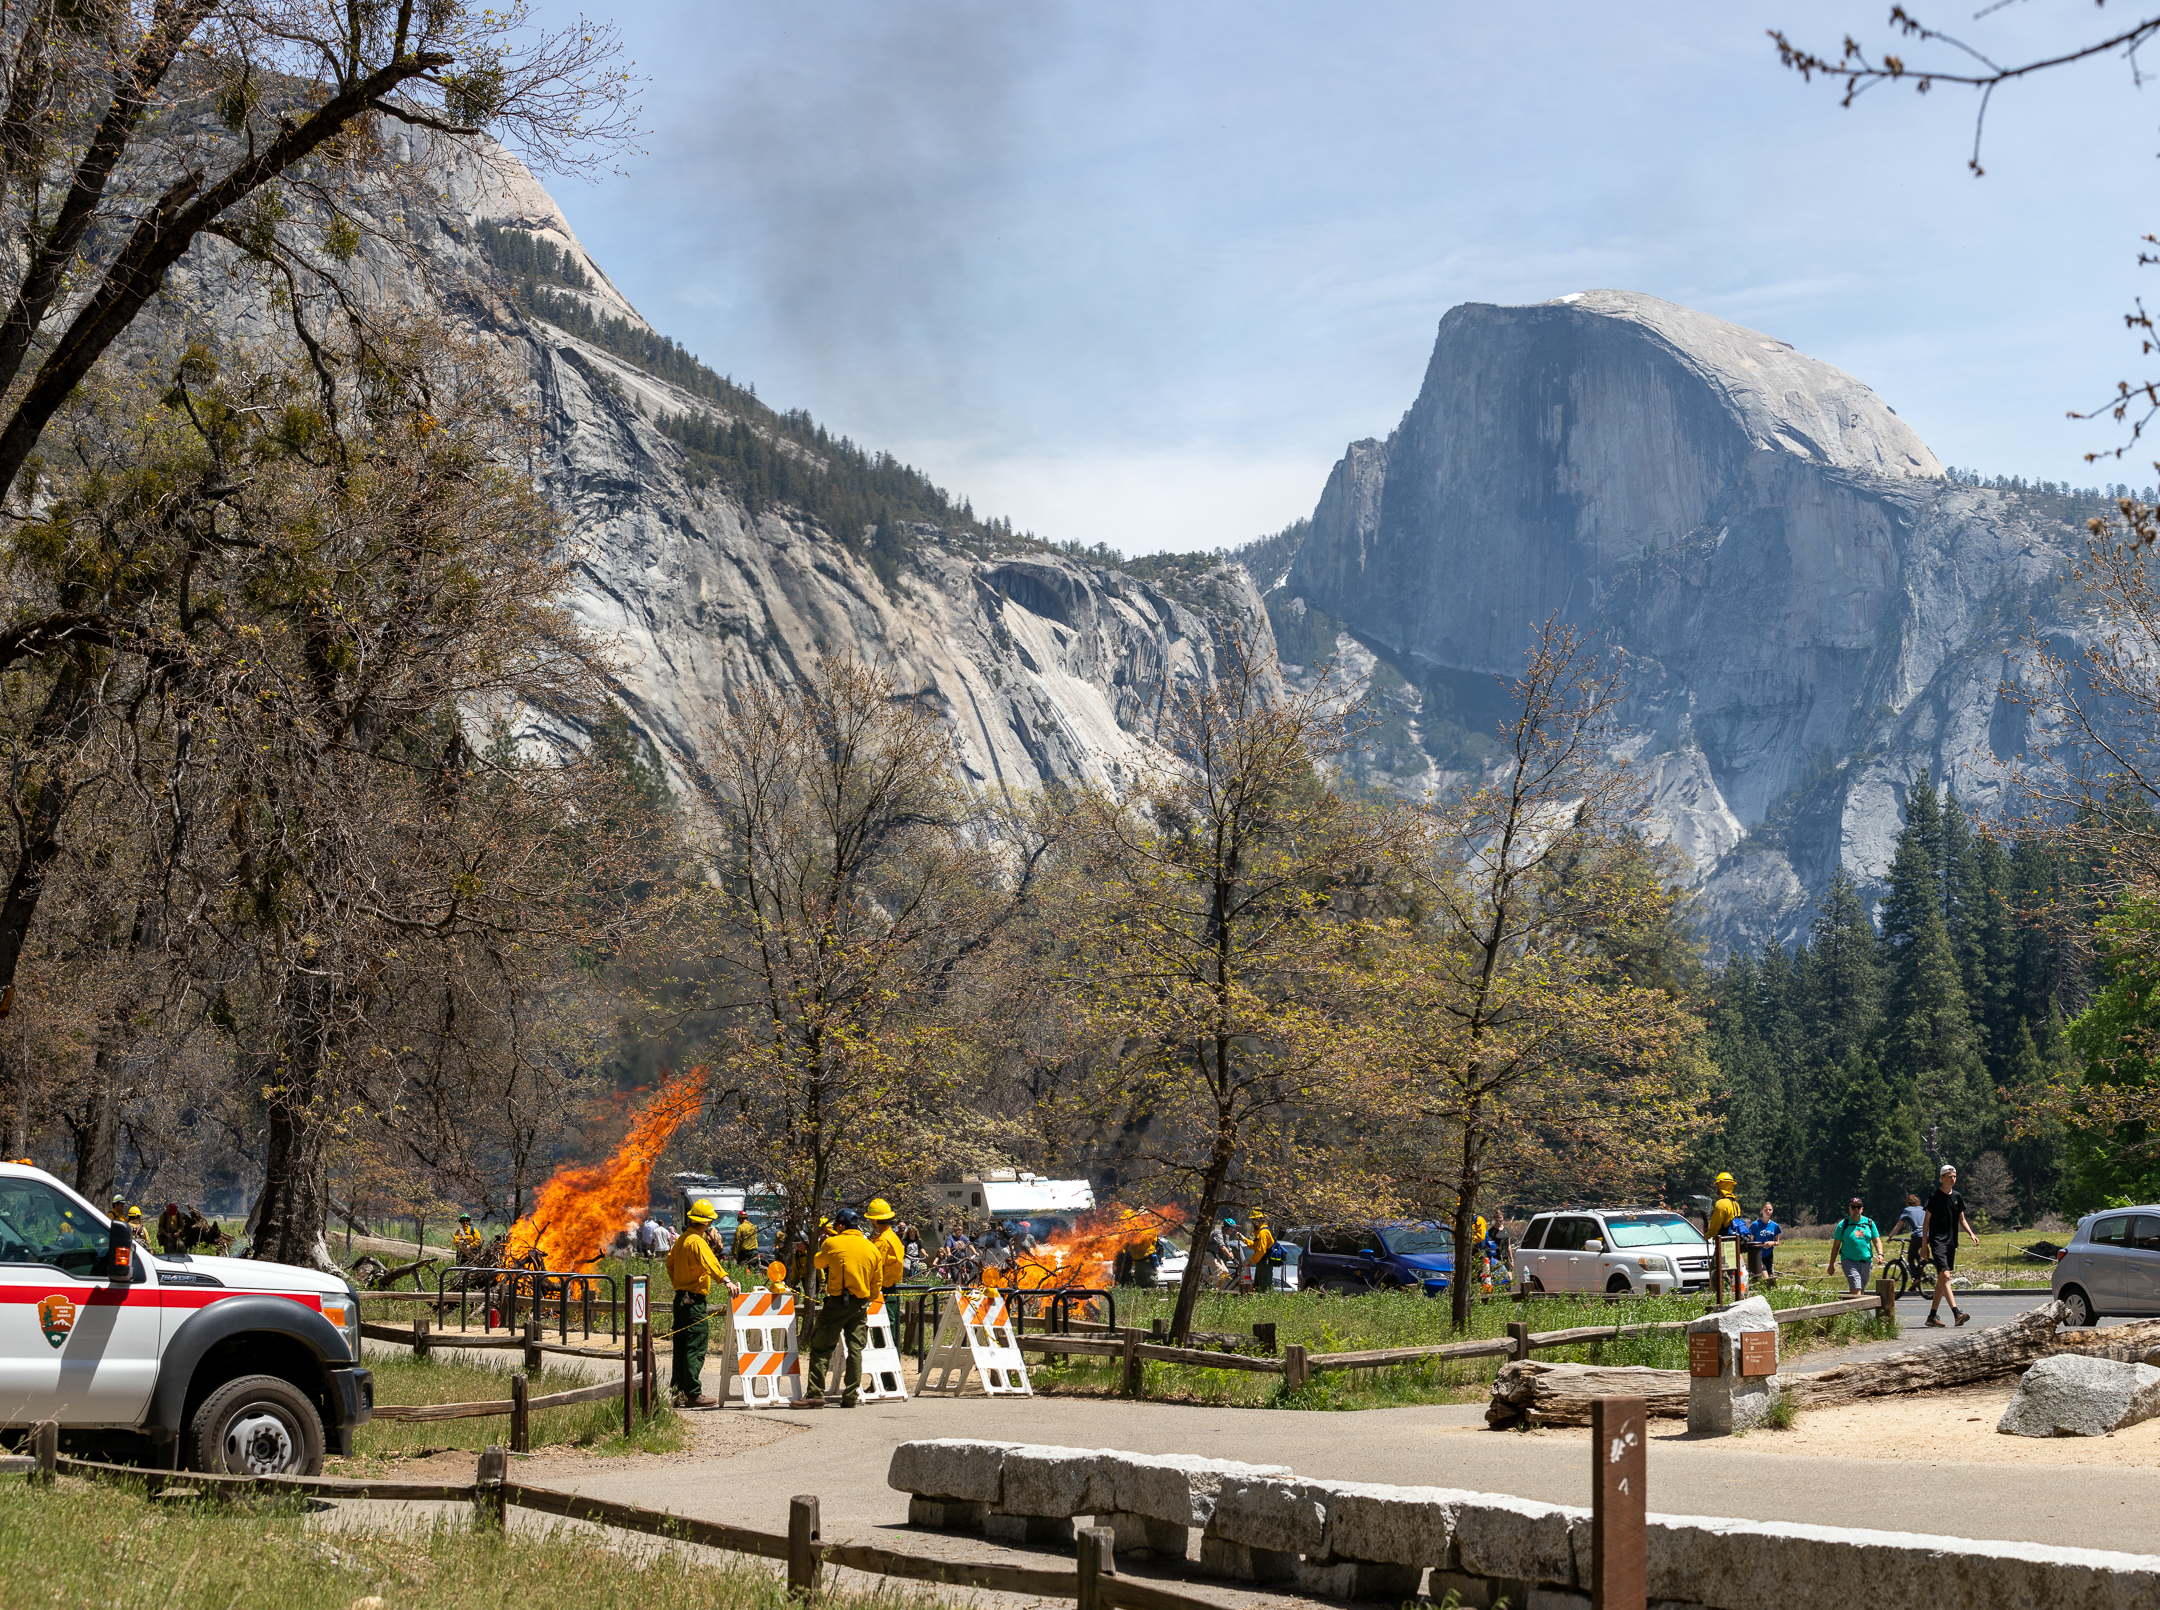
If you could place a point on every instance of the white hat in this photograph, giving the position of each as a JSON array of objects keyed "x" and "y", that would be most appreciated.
[{"x": 1947, "y": 1168}]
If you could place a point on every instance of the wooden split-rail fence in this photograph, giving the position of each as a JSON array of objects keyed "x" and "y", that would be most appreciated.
[
  {"x": 1298, "y": 1366},
  {"x": 1095, "y": 1585}
]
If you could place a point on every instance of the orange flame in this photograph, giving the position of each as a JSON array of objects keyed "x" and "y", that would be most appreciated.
[
  {"x": 580, "y": 1210},
  {"x": 1088, "y": 1256}
]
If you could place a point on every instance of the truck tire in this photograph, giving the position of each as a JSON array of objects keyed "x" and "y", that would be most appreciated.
[{"x": 258, "y": 1425}]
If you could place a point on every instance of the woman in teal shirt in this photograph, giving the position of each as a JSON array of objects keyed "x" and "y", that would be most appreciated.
[{"x": 1856, "y": 1244}]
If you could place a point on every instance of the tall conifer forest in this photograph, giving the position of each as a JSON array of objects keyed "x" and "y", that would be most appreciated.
[{"x": 1893, "y": 1041}]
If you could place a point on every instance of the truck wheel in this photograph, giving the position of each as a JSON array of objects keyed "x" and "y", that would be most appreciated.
[
  {"x": 258, "y": 1425},
  {"x": 1618, "y": 1287}
]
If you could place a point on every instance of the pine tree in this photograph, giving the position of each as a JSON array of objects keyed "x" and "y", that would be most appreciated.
[
  {"x": 1932, "y": 1052},
  {"x": 1916, "y": 867}
]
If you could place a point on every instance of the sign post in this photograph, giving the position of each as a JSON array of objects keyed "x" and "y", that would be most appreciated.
[
  {"x": 630, "y": 1347},
  {"x": 1619, "y": 1538}
]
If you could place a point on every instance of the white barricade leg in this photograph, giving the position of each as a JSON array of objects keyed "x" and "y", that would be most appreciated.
[{"x": 881, "y": 1366}]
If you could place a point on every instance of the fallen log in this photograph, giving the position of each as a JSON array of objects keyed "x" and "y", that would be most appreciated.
[
  {"x": 1986, "y": 1355},
  {"x": 2128, "y": 1344},
  {"x": 1533, "y": 1392}
]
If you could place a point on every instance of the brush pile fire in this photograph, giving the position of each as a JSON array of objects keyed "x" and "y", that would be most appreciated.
[
  {"x": 1089, "y": 1256},
  {"x": 581, "y": 1209}
]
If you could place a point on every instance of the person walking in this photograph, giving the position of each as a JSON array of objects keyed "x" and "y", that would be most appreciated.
[
  {"x": 746, "y": 1240},
  {"x": 853, "y": 1270},
  {"x": 1856, "y": 1244},
  {"x": 894, "y": 1268},
  {"x": 692, "y": 1267},
  {"x": 1762, "y": 1244},
  {"x": 1945, "y": 1217}
]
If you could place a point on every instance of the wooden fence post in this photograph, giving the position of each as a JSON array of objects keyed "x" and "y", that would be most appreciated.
[
  {"x": 1133, "y": 1378},
  {"x": 1264, "y": 1334},
  {"x": 629, "y": 1376},
  {"x": 802, "y": 1546},
  {"x": 1886, "y": 1294},
  {"x": 1294, "y": 1373},
  {"x": 1098, "y": 1559},
  {"x": 45, "y": 1443},
  {"x": 422, "y": 1347},
  {"x": 532, "y": 1340},
  {"x": 1519, "y": 1334},
  {"x": 1619, "y": 1540},
  {"x": 520, "y": 1415},
  {"x": 650, "y": 1361},
  {"x": 491, "y": 1501}
]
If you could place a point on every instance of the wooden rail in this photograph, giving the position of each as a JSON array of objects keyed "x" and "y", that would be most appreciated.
[
  {"x": 1097, "y": 1586},
  {"x": 1521, "y": 1344},
  {"x": 475, "y": 1411}
]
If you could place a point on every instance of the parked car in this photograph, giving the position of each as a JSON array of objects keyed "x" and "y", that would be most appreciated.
[
  {"x": 1371, "y": 1257},
  {"x": 1642, "y": 1251},
  {"x": 2111, "y": 1266}
]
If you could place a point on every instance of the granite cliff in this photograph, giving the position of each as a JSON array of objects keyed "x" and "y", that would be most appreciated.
[
  {"x": 1808, "y": 610},
  {"x": 713, "y": 569}
]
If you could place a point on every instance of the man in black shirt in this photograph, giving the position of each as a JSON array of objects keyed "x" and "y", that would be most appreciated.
[{"x": 1945, "y": 1217}]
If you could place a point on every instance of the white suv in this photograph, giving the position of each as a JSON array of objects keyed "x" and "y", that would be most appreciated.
[
  {"x": 251, "y": 1368},
  {"x": 1638, "y": 1251}
]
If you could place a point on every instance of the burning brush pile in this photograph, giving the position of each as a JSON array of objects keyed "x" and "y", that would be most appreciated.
[
  {"x": 580, "y": 1210},
  {"x": 1097, "y": 1252}
]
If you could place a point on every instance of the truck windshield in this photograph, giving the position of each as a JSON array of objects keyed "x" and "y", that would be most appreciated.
[{"x": 1653, "y": 1230}]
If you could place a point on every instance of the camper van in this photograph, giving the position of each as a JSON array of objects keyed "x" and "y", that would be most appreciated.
[{"x": 1005, "y": 1194}]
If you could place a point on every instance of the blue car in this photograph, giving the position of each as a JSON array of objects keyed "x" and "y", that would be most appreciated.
[{"x": 1373, "y": 1257}]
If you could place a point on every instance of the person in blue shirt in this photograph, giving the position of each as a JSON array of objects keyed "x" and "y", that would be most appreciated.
[{"x": 1762, "y": 1244}]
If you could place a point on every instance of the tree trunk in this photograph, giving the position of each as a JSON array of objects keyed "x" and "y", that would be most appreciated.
[
  {"x": 1467, "y": 1184},
  {"x": 97, "y": 1136},
  {"x": 60, "y": 727},
  {"x": 294, "y": 1210},
  {"x": 1188, "y": 1296}
]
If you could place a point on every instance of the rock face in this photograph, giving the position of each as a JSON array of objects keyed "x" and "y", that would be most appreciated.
[
  {"x": 1046, "y": 667},
  {"x": 1809, "y": 610},
  {"x": 2070, "y": 1396}
]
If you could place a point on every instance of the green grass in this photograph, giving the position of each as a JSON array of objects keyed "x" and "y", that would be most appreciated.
[
  {"x": 597, "y": 1426},
  {"x": 83, "y": 1544},
  {"x": 1330, "y": 1324}
]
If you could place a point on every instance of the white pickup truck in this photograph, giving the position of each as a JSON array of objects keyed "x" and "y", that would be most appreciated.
[{"x": 251, "y": 1368}]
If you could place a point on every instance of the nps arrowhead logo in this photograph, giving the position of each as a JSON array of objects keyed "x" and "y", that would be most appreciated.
[{"x": 56, "y": 1317}]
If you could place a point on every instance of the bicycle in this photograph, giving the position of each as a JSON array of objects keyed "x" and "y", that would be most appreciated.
[{"x": 1911, "y": 1271}]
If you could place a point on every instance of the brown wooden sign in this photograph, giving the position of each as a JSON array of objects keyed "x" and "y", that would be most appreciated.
[
  {"x": 1704, "y": 1357},
  {"x": 1618, "y": 1531},
  {"x": 1758, "y": 1352}
]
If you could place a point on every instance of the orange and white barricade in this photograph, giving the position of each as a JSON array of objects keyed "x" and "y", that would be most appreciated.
[
  {"x": 881, "y": 1366},
  {"x": 761, "y": 1366},
  {"x": 976, "y": 1333}
]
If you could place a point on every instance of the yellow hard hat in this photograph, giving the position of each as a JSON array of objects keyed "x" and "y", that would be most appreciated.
[
  {"x": 134, "y": 1212},
  {"x": 879, "y": 1208},
  {"x": 1724, "y": 1179},
  {"x": 702, "y": 1213}
]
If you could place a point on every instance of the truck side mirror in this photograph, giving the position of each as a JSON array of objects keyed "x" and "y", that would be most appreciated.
[
  {"x": 123, "y": 1251},
  {"x": 1593, "y": 1246}
]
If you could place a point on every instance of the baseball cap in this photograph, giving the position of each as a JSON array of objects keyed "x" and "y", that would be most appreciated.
[{"x": 1856, "y": 1202}]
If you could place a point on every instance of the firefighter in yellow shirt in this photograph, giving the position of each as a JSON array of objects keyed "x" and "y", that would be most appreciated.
[
  {"x": 1264, "y": 1256},
  {"x": 880, "y": 1215},
  {"x": 854, "y": 1272},
  {"x": 692, "y": 1267},
  {"x": 465, "y": 1244},
  {"x": 1727, "y": 1206}
]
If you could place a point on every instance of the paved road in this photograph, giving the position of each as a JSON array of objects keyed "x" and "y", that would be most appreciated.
[{"x": 842, "y": 1457}]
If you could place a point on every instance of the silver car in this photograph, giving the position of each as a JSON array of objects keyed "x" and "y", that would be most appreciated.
[{"x": 2111, "y": 1266}]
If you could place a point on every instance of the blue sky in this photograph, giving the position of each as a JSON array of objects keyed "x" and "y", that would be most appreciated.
[{"x": 1135, "y": 273}]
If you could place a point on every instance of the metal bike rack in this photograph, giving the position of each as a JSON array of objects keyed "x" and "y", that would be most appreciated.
[{"x": 530, "y": 1285}]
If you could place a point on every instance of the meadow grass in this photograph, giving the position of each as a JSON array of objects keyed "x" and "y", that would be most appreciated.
[
  {"x": 79, "y": 1543},
  {"x": 402, "y": 1379}
]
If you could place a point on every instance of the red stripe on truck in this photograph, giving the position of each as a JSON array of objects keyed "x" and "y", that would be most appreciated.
[{"x": 150, "y": 1296}]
